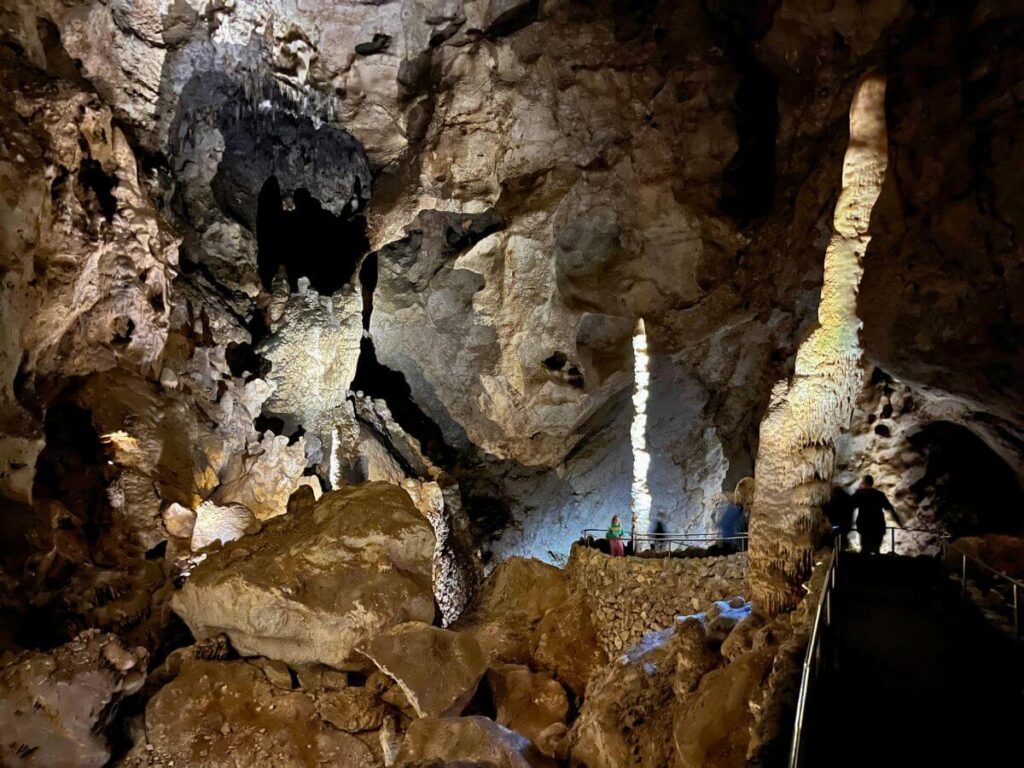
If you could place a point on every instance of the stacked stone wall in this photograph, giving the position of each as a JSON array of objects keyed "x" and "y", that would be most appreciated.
[{"x": 631, "y": 596}]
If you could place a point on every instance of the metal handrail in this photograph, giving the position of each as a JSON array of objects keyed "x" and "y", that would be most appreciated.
[
  {"x": 670, "y": 538},
  {"x": 1016, "y": 585},
  {"x": 812, "y": 658}
]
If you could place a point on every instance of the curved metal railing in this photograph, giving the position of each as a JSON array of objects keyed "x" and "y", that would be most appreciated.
[
  {"x": 672, "y": 541},
  {"x": 1016, "y": 585},
  {"x": 813, "y": 656},
  {"x": 823, "y": 617}
]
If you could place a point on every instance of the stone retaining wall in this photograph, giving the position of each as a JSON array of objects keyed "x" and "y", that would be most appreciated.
[{"x": 631, "y": 596}]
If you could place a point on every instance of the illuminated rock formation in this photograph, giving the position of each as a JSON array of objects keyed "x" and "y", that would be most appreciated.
[
  {"x": 316, "y": 584},
  {"x": 806, "y": 415},
  {"x": 640, "y": 496}
]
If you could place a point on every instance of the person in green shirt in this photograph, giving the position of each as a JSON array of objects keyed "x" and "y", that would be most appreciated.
[{"x": 615, "y": 535}]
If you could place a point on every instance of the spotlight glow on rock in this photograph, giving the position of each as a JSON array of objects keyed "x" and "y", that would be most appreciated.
[{"x": 640, "y": 494}]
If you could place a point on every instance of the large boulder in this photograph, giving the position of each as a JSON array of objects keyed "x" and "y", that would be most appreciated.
[
  {"x": 314, "y": 585},
  {"x": 227, "y": 714},
  {"x": 474, "y": 741},
  {"x": 437, "y": 669},
  {"x": 712, "y": 726},
  {"x": 505, "y": 616},
  {"x": 567, "y": 644},
  {"x": 629, "y": 706},
  {"x": 527, "y": 702},
  {"x": 55, "y": 707}
]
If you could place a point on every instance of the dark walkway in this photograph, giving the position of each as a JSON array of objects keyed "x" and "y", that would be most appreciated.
[{"x": 913, "y": 676}]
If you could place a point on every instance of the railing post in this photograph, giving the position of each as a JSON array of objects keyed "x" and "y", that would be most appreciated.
[
  {"x": 1016, "y": 615},
  {"x": 963, "y": 574},
  {"x": 892, "y": 540}
]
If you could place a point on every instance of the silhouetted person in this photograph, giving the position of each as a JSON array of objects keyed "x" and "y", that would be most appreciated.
[
  {"x": 870, "y": 504},
  {"x": 839, "y": 511}
]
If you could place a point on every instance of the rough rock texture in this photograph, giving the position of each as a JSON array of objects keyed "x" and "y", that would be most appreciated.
[
  {"x": 527, "y": 702},
  {"x": 313, "y": 353},
  {"x": 728, "y": 702},
  {"x": 796, "y": 456},
  {"x": 517, "y": 595},
  {"x": 525, "y": 614},
  {"x": 628, "y": 709},
  {"x": 55, "y": 707},
  {"x": 467, "y": 740},
  {"x": 568, "y": 644},
  {"x": 437, "y": 669},
  {"x": 460, "y": 209},
  {"x": 1004, "y": 553},
  {"x": 942, "y": 478},
  {"x": 315, "y": 585},
  {"x": 227, "y": 713},
  {"x": 632, "y": 596}
]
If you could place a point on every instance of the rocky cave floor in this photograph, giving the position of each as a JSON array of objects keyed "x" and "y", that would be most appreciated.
[{"x": 316, "y": 358}]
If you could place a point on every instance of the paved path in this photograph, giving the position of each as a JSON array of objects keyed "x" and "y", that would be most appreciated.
[{"x": 915, "y": 675}]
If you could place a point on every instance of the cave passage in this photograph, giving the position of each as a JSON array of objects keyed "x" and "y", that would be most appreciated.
[
  {"x": 306, "y": 240},
  {"x": 978, "y": 492}
]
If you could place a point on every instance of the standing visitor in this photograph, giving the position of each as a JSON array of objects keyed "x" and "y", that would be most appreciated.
[
  {"x": 870, "y": 503},
  {"x": 614, "y": 535}
]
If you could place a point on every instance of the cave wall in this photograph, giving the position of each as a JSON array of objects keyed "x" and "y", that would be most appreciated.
[{"x": 529, "y": 178}]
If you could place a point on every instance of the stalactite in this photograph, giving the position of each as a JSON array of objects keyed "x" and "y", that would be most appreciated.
[{"x": 796, "y": 457}]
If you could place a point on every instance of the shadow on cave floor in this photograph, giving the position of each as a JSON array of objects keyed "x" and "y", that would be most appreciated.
[{"x": 912, "y": 674}]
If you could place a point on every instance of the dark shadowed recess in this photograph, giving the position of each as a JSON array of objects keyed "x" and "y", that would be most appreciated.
[
  {"x": 977, "y": 491},
  {"x": 307, "y": 240},
  {"x": 748, "y": 184},
  {"x": 380, "y": 382}
]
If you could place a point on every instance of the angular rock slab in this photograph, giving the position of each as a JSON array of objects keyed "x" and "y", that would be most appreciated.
[
  {"x": 467, "y": 741},
  {"x": 505, "y": 615},
  {"x": 567, "y": 644},
  {"x": 436, "y": 668},
  {"x": 315, "y": 584},
  {"x": 226, "y": 714},
  {"x": 527, "y": 702},
  {"x": 55, "y": 706}
]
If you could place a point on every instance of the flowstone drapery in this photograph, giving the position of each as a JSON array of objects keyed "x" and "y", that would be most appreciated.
[{"x": 796, "y": 456}]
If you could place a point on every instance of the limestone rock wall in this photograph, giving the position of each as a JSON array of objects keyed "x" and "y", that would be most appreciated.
[{"x": 632, "y": 596}]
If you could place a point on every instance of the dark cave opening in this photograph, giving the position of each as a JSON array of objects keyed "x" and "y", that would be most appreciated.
[
  {"x": 748, "y": 183},
  {"x": 307, "y": 240},
  {"x": 98, "y": 186},
  {"x": 977, "y": 491},
  {"x": 380, "y": 382},
  {"x": 72, "y": 468}
]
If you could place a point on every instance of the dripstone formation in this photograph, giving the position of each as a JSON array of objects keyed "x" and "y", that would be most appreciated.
[{"x": 317, "y": 348}]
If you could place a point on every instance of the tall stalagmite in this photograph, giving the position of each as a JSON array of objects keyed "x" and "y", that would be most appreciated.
[
  {"x": 796, "y": 457},
  {"x": 640, "y": 496}
]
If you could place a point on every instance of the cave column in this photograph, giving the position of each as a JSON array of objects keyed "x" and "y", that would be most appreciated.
[
  {"x": 796, "y": 456},
  {"x": 640, "y": 493}
]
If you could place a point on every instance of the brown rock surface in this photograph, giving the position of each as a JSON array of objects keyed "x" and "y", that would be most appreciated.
[
  {"x": 467, "y": 741},
  {"x": 712, "y": 727},
  {"x": 513, "y": 600},
  {"x": 315, "y": 585},
  {"x": 568, "y": 645},
  {"x": 437, "y": 669},
  {"x": 55, "y": 707},
  {"x": 226, "y": 714},
  {"x": 527, "y": 702}
]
